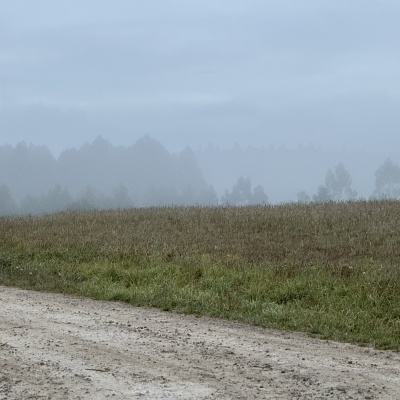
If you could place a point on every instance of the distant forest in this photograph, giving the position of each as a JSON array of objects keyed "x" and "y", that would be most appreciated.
[{"x": 99, "y": 175}]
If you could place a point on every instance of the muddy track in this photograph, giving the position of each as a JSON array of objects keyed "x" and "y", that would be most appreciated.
[{"x": 61, "y": 347}]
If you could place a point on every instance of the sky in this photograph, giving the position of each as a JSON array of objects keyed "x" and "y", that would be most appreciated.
[{"x": 193, "y": 72}]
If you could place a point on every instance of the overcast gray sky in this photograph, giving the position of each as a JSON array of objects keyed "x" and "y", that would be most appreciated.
[{"x": 325, "y": 72}]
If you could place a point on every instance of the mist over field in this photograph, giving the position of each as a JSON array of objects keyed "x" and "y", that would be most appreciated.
[
  {"x": 100, "y": 175},
  {"x": 231, "y": 159},
  {"x": 132, "y": 103}
]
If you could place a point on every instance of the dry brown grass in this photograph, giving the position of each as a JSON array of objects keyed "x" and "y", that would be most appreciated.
[
  {"x": 330, "y": 269},
  {"x": 330, "y": 234}
]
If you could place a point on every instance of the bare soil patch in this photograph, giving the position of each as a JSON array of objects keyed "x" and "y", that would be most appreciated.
[{"x": 54, "y": 346}]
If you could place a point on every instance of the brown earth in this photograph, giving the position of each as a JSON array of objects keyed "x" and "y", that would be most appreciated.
[{"x": 62, "y": 347}]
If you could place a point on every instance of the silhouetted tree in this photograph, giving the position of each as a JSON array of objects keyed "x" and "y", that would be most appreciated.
[
  {"x": 337, "y": 186},
  {"x": 339, "y": 183},
  {"x": 258, "y": 196},
  {"x": 322, "y": 195},
  {"x": 90, "y": 199},
  {"x": 387, "y": 180},
  {"x": 241, "y": 194}
]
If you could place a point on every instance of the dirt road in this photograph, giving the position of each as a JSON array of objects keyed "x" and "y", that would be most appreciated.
[{"x": 61, "y": 347}]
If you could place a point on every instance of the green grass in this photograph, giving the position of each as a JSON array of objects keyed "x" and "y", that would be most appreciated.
[{"x": 326, "y": 269}]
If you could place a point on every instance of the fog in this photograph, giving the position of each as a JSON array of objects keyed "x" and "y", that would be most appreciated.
[{"x": 277, "y": 91}]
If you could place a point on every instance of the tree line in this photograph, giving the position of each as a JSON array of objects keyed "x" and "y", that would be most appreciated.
[
  {"x": 102, "y": 176},
  {"x": 338, "y": 185}
]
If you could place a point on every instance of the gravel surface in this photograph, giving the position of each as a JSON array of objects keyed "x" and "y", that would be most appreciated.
[{"x": 54, "y": 346}]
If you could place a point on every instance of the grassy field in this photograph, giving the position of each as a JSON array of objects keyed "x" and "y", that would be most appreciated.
[{"x": 327, "y": 269}]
